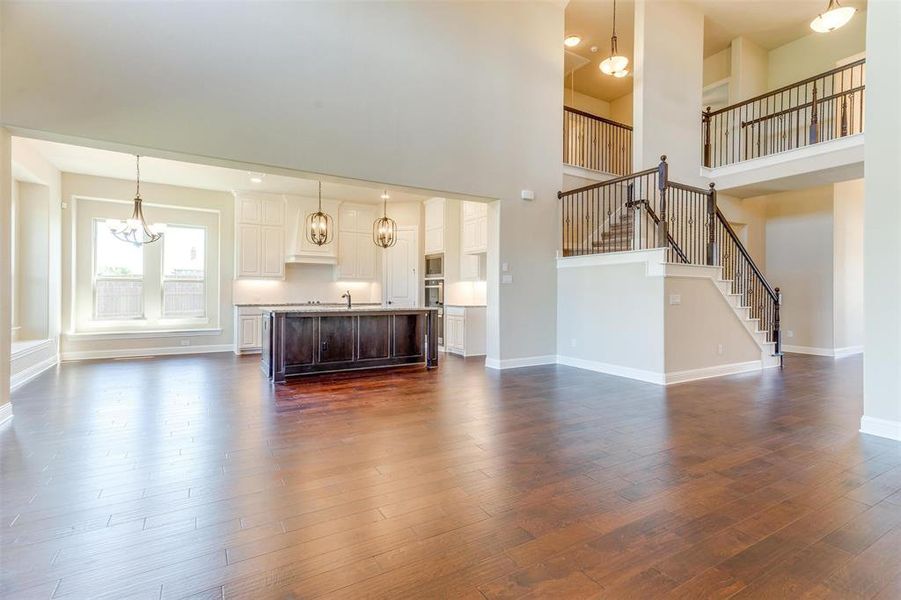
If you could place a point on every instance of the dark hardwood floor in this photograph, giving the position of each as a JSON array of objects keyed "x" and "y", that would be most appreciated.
[{"x": 190, "y": 477}]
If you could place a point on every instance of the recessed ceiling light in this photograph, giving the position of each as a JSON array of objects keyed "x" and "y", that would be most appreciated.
[
  {"x": 571, "y": 41},
  {"x": 834, "y": 17},
  {"x": 256, "y": 177}
]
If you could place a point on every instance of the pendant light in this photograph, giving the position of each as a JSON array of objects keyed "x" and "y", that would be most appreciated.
[
  {"x": 834, "y": 17},
  {"x": 320, "y": 228},
  {"x": 384, "y": 229},
  {"x": 135, "y": 230},
  {"x": 616, "y": 63}
]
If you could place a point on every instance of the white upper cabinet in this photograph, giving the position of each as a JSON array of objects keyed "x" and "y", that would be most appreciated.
[
  {"x": 301, "y": 249},
  {"x": 358, "y": 257},
  {"x": 435, "y": 240},
  {"x": 474, "y": 227},
  {"x": 259, "y": 236}
]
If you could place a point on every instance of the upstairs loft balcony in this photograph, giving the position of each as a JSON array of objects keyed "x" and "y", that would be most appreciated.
[
  {"x": 595, "y": 143},
  {"x": 804, "y": 133}
]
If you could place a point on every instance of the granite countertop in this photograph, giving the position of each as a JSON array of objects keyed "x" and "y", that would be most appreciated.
[
  {"x": 325, "y": 304},
  {"x": 322, "y": 308}
]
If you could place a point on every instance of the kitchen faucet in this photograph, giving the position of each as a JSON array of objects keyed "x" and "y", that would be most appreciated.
[{"x": 347, "y": 295}]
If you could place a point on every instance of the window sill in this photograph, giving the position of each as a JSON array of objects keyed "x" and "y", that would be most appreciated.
[{"x": 136, "y": 334}]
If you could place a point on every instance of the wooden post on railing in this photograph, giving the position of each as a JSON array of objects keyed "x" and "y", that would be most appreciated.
[
  {"x": 662, "y": 184},
  {"x": 706, "y": 118},
  {"x": 812, "y": 136},
  {"x": 844, "y": 116},
  {"x": 777, "y": 334},
  {"x": 712, "y": 253}
]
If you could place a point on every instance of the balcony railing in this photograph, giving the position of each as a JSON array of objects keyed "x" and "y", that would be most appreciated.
[
  {"x": 596, "y": 143},
  {"x": 824, "y": 107}
]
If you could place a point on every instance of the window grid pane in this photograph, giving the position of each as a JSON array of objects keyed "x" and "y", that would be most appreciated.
[
  {"x": 184, "y": 270},
  {"x": 118, "y": 298},
  {"x": 184, "y": 298}
]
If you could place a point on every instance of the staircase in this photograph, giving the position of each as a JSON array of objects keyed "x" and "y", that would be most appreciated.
[{"x": 646, "y": 210}]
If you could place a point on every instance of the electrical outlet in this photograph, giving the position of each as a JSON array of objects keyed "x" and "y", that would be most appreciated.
[
  {"x": 789, "y": 333},
  {"x": 720, "y": 349},
  {"x": 507, "y": 279},
  {"x": 675, "y": 299},
  {"x": 185, "y": 342},
  {"x": 573, "y": 343}
]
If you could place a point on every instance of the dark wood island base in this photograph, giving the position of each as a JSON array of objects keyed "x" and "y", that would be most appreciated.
[{"x": 307, "y": 340}]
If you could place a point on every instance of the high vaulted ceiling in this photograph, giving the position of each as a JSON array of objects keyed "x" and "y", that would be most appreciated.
[
  {"x": 767, "y": 23},
  {"x": 118, "y": 165}
]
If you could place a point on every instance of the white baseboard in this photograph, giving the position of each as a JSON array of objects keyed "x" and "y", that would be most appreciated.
[
  {"x": 6, "y": 412},
  {"x": 19, "y": 379},
  {"x": 611, "y": 369},
  {"x": 136, "y": 352},
  {"x": 517, "y": 363},
  {"x": 881, "y": 427},
  {"x": 812, "y": 350},
  {"x": 848, "y": 351},
  {"x": 715, "y": 371}
]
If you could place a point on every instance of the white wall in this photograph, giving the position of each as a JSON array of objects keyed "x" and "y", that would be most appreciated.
[
  {"x": 799, "y": 248},
  {"x": 816, "y": 52},
  {"x": 481, "y": 117},
  {"x": 882, "y": 233},
  {"x": 749, "y": 69},
  {"x": 621, "y": 109},
  {"x": 702, "y": 330},
  {"x": 667, "y": 88},
  {"x": 586, "y": 103},
  {"x": 848, "y": 217},
  {"x": 32, "y": 269},
  {"x": 718, "y": 66},
  {"x": 611, "y": 315},
  {"x": 6, "y": 183}
]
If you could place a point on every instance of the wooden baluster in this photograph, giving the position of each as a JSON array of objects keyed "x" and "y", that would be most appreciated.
[
  {"x": 812, "y": 135},
  {"x": 706, "y": 119}
]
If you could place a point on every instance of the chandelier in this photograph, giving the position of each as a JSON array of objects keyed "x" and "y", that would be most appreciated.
[
  {"x": 319, "y": 225},
  {"x": 615, "y": 64},
  {"x": 384, "y": 229},
  {"x": 135, "y": 230}
]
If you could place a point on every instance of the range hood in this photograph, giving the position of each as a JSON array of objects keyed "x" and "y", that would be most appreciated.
[{"x": 299, "y": 250}]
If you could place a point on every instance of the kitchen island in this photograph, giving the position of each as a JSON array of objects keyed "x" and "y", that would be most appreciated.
[{"x": 310, "y": 339}]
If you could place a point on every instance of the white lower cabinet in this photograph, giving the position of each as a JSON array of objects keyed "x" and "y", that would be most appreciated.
[
  {"x": 248, "y": 329},
  {"x": 465, "y": 330}
]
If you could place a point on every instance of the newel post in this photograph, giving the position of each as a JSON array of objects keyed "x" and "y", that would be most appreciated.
[
  {"x": 662, "y": 184},
  {"x": 711, "y": 226},
  {"x": 706, "y": 118}
]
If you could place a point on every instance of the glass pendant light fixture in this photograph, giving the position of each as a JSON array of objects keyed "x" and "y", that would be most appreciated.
[
  {"x": 834, "y": 17},
  {"x": 319, "y": 229},
  {"x": 384, "y": 229},
  {"x": 135, "y": 230},
  {"x": 616, "y": 63}
]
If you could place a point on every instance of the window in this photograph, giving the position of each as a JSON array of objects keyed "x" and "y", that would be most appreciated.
[
  {"x": 184, "y": 272},
  {"x": 118, "y": 277}
]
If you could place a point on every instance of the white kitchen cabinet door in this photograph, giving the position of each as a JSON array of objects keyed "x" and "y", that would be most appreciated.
[
  {"x": 272, "y": 263},
  {"x": 434, "y": 240},
  {"x": 250, "y": 210},
  {"x": 249, "y": 334},
  {"x": 303, "y": 246},
  {"x": 249, "y": 259},
  {"x": 366, "y": 256},
  {"x": 469, "y": 267},
  {"x": 347, "y": 255},
  {"x": 453, "y": 334},
  {"x": 273, "y": 211}
]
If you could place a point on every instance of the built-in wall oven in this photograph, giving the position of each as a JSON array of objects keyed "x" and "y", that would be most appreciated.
[
  {"x": 434, "y": 297},
  {"x": 434, "y": 266}
]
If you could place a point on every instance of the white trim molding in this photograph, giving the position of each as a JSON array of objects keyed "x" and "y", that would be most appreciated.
[
  {"x": 881, "y": 427},
  {"x": 611, "y": 369},
  {"x": 140, "y": 352},
  {"x": 848, "y": 351},
  {"x": 19, "y": 379},
  {"x": 714, "y": 371},
  {"x": 137, "y": 334},
  {"x": 517, "y": 363},
  {"x": 31, "y": 348},
  {"x": 6, "y": 412},
  {"x": 833, "y": 352}
]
